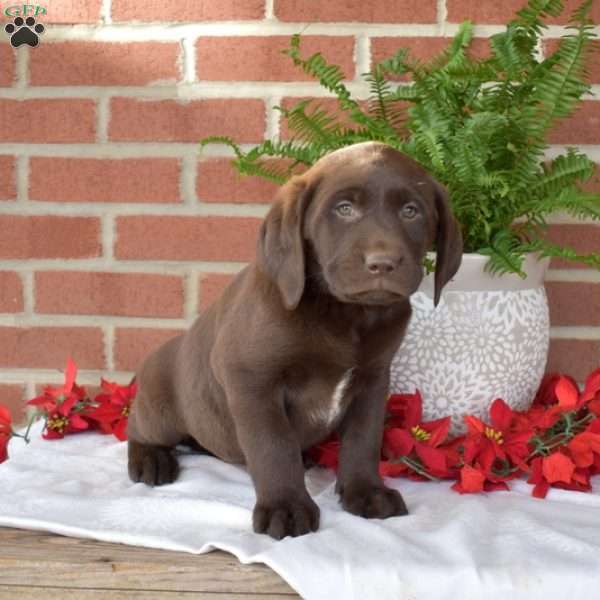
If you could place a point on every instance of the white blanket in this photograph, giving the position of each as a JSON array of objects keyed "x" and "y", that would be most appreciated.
[{"x": 504, "y": 545}]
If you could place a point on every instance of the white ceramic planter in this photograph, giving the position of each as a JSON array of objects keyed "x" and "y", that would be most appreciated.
[{"x": 487, "y": 339}]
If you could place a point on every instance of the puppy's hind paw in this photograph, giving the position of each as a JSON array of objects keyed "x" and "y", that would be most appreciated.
[{"x": 153, "y": 465}]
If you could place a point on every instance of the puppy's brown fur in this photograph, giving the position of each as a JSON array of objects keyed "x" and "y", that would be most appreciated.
[{"x": 300, "y": 343}]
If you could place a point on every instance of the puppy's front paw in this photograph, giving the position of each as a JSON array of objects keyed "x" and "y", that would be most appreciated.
[
  {"x": 372, "y": 501},
  {"x": 279, "y": 518},
  {"x": 154, "y": 465}
]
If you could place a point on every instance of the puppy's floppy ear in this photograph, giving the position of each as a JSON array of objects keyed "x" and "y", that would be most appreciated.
[
  {"x": 449, "y": 243},
  {"x": 280, "y": 242}
]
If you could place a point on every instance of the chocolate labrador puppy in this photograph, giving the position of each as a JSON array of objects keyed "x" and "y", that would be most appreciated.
[{"x": 300, "y": 342}]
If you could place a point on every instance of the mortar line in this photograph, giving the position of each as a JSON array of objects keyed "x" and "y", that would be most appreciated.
[
  {"x": 180, "y": 149},
  {"x": 22, "y": 68},
  {"x": 188, "y": 60},
  {"x": 272, "y": 117},
  {"x": 89, "y": 320},
  {"x": 270, "y": 10},
  {"x": 189, "y": 91},
  {"x": 573, "y": 276},
  {"x": 29, "y": 388},
  {"x": 102, "y": 119},
  {"x": 179, "y": 209},
  {"x": 52, "y": 376},
  {"x": 27, "y": 278},
  {"x": 156, "y": 31},
  {"x": 106, "y": 11},
  {"x": 187, "y": 180},
  {"x": 190, "y": 307},
  {"x": 109, "y": 341},
  {"x": 142, "y": 266},
  {"x": 442, "y": 16},
  {"x": 363, "y": 55},
  {"x": 575, "y": 332},
  {"x": 22, "y": 179},
  {"x": 108, "y": 236}
]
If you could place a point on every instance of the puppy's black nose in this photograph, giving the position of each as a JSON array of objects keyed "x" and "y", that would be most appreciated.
[{"x": 380, "y": 264}]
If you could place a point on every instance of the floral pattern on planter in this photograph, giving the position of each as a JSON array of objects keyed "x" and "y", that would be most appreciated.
[{"x": 473, "y": 348}]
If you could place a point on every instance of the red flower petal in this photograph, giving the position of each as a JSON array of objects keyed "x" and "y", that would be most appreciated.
[
  {"x": 432, "y": 458},
  {"x": 3, "y": 447},
  {"x": 594, "y": 405},
  {"x": 438, "y": 429},
  {"x": 546, "y": 394},
  {"x": 414, "y": 410},
  {"x": 397, "y": 442},
  {"x": 70, "y": 375},
  {"x": 120, "y": 429},
  {"x": 327, "y": 453},
  {"x": 592, "y": 385},
  {"x": 567, "y": 393},
  {"x": 474, "y": 424},
  {"x": 51, "y": 434},
  {"x": 495, "y": 486},
  {"x": 5, "y": 420},
  {"x": 471, "y": 481},
  {"x": 501, "y": 415},
  {"x": 389, "y": 469},
  {"x": 557, "y": 467},
  {"x": 583, "y": 447},
  {"x": 77, "y": 423},
  {"x": 540, "y": 490},
  {"x": 488, "y": 454},
  {"x": 68, "y": 404}
]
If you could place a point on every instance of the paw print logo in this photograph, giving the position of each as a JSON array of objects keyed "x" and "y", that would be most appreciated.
[{"x": 24, "y": 32}]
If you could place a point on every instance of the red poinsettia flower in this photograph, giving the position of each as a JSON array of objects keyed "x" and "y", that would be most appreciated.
[
  {"x": 498, "y": 445},
  {"x": 327, "y": 453},
  {"x": 473, "y": 480},
  {"x": 538, "y": 417},
  {"x": 568, "y": 397},
  {"x": 591, "y": 392},
  {"x": 568, "y": 394},
  {"x": 59, "y": 424},
  {"x": 402, "y": 408},
  {"x": 559, "y": 394},
  {"x": 63, "y": 406},
  {"x": 557, "y": 470},
  {"x": 388, "y": 468},
  {"x": 584, "y": 448},
  {"x": 414, "y": 435},
  {"x": 69, "y": 393},
  {"x": 114, "y": 404},
  {"x": 5, "y": 432},
  {"x": 546, "y": 394}
]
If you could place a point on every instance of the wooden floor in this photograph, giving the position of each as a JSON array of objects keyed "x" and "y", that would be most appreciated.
[{"x": 49, "y": 567}]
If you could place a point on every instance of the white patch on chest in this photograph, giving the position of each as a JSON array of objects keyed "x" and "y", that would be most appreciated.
[{"x": 329, "y": 413}]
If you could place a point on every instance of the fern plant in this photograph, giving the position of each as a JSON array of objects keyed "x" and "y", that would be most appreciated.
[{"x": 479, "y": 125}]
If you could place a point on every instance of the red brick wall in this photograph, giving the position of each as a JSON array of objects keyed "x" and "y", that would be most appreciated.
[{"x": 114, "y": 232}]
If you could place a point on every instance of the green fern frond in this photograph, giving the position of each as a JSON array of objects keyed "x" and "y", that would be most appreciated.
[
  {"x": 505, "y": 254},
  {"x": 564, "y": 171},
  {"x": 316, "y": 126},
  {"x": 530, "y": 17},
  {"x": 582, "y": 13},
  {"x": 453, "y": 57},
  {"x": 222, "y": 139}
]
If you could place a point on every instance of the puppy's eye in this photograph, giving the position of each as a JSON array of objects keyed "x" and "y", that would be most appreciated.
[
  {"x": 345, "y": 209},
  {"x": 409, "y": 211}
]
